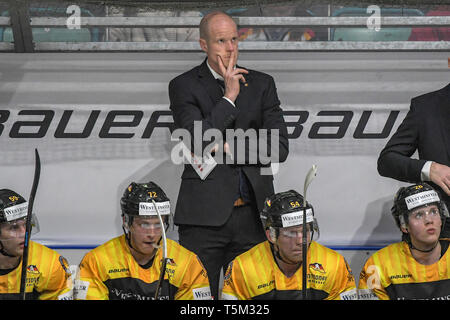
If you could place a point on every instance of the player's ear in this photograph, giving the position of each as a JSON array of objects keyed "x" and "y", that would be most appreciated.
[{"x": 270, "y": 234}]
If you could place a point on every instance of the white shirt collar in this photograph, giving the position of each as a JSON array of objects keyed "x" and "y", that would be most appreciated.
[{"x": 214, "y": 73}]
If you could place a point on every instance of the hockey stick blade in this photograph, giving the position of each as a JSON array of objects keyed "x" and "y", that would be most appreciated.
[{"x": 309, "y": 178}]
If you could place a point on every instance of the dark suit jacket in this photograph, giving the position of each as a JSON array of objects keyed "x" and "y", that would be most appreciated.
[
  {"x": 196, "y": 96},
  {"x": 426, "y": 128}
]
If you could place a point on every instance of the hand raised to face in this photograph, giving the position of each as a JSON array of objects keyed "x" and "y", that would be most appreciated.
[{"x": 231, "y": 76}]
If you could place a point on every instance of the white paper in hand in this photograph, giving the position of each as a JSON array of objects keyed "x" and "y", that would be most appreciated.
[{"x": 203, "y": 166}]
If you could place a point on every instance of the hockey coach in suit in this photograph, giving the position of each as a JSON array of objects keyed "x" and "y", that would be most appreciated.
[{"x": 218, "y": 217}]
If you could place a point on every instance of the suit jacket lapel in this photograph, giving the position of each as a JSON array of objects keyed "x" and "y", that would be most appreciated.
[
  {"x": 206, "y": 78},
  {"x": 447, "y": 93},
  {"x": 242, "y": 99}
]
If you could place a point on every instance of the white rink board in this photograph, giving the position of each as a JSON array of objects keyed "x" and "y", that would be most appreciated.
[{"x": 82, "y": 179}]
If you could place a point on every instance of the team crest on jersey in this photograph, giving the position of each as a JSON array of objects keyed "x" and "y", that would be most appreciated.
[
  {"x": 32, "y": 269},
  {"x": 317, "y": 267},
  {"x": 171, "y": 262}
]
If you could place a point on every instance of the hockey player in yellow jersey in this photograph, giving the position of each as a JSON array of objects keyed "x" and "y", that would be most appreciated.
[
  {"x": 47, "y": 273},
  {"x": 419, "y": 266},
  {"x": 129, "y": 267},
  {"x": 273, "y": 269}
]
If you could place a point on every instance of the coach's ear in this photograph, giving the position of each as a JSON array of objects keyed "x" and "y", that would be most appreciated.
[{"x": 203, "y": 45}]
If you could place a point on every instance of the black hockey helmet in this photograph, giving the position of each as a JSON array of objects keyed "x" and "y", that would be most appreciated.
[
  {"x": 12, "y": 206},
  {"x": 13, "y": 209},
  {"x": 137, "y": 200},
  {"x": 286, "y": 209}
]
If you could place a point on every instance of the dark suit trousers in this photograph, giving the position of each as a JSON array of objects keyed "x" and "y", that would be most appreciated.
[{"x": 218, "y": 246}]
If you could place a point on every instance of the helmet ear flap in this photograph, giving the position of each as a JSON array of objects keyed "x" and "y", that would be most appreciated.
[
  {"x": 445, "y": 213},
  {"x": 402, "y": 222},
  {"x": 271, "y": 234},
  {"x": 126, "y": 222},
  {"x": 315, "y": 230}
]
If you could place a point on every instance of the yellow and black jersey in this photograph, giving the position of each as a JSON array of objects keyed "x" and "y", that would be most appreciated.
[
  {"x": 48, "y": 276},
  {"x": 393, "y": 273},
  {"x": 110, "y": 272},
  {"x": 256, "y": 275}
]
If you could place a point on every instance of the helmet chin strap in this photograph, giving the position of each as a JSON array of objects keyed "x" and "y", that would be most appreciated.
[
  {"x": 276, "y": 251},
  {"x": 275, "y": 248},
  {"x": 425, "y": 251},
  {"x": 407, "y": 238},
  {"x": 127, "y": 236}
]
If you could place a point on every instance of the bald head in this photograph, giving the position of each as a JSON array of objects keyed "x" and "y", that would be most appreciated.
[
  {"x": 219, "y": 39},
  {"x": 211, "y": 17}
]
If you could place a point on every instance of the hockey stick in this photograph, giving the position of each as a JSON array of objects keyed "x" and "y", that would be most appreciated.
[
  {"x": 164, "y": 260},
  {"x": 309, "y": 177},
  {"x": 37, "y": 173}
]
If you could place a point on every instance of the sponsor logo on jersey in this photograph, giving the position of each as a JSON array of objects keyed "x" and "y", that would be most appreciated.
[
  {"x": 349, "y": 295},
  {"x": 367, "y": 294},
  {"x": 118, "y": 270},
  {"x": 123, "y": 294},
  {"x": 202, "y": 293},
  {"x": 400, "y": 276},
  {"x": 66, "y": 296},
  {"x": 265, "y": 285},
  {"x": 317, "y": 279},
  {"x": 316, "y": 267}
]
